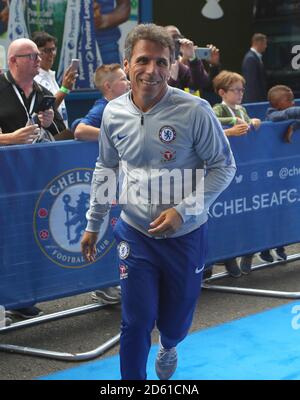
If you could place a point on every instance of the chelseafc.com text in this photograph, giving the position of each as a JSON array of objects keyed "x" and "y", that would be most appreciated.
[{"x": 255, "y": 203}]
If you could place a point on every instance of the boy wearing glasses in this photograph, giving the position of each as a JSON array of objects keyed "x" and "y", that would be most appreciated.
[{"x": 230, "y": 87}]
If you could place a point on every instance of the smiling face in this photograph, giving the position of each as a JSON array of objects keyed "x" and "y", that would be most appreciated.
[
  {"x": 48, "y": 54},
  {"x": 148, "y": 71}
]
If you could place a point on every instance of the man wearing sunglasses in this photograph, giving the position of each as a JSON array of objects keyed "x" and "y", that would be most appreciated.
[{"x": 20, "y": 96}]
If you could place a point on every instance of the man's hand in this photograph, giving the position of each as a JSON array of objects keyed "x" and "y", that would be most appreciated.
[
  {"x": 187, "y": 49},
  {"x": 215, "y": 55},
  {"x": 24, "y": 135},
  {"x": 46, "y": 117},
  {"x": 168, "y": 222},
  {"x": 88, "y": 245},
  {"x": 69, "y": 78}
]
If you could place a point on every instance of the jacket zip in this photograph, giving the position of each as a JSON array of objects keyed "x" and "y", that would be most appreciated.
[{"x": 149, "y": 205}]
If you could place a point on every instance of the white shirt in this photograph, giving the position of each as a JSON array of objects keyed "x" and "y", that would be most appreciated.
[
  {"x": 48, "y": 80},
  {"x": 259, "y": 55}
]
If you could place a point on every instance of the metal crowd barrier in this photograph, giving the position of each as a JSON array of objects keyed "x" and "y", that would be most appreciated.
[{"x": 208, "y": 283}]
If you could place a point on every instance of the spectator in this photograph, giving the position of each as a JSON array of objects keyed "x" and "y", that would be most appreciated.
[
  {"x": 46, "y": 77},
  {"x": 282, "y": 108},
  {"x": 187, "y": 71},
  {"x": 253, "y": 70},
  {"x": 161, "y": 246},
  {"x": 21, "y": 96},
  {"x": 111, "y": 81},
  {"x": 230, "y": 87}
]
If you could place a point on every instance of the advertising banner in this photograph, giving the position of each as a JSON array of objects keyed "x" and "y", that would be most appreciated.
[
  {"x": 260, "y": 208},
  {"x": 43, "y": 212},
  {"x": 44, "y": 196},
  {"x": 93, "y": 31}
]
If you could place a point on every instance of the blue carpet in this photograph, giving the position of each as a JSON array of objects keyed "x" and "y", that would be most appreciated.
[{"x": 261, "y": 346}]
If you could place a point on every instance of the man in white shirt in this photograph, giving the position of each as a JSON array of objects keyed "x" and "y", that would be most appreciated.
[{"x": 46, "y": 77}]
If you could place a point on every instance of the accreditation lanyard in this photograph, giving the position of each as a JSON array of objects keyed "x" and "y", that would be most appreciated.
[
  {"x": 28, "y": 113},
  {"x": 232, "y": 113}
]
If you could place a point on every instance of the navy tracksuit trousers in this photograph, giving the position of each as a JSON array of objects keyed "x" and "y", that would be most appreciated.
[{"x": 160, "y": 283}]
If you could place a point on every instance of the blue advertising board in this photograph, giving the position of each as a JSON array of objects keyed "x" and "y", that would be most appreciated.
[{"x": 44, "y": 196}]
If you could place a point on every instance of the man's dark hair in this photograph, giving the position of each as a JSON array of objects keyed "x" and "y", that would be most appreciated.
[
  {"x": 42, "y": 38},
  {"x": 152, "y": 32},
  {"x": 277, "y": 93},
  {"x": 258, "y": 37}
]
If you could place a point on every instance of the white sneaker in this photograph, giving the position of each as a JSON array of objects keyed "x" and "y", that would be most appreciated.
[
  {"x": 166, "y": 362},
  {"x": 110, "y": 295}
]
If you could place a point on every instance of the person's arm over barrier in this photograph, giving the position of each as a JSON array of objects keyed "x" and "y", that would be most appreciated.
[{"x": 282, "y": 115}]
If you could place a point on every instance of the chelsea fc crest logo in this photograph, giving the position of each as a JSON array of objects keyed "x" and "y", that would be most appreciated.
[
  {"x": 59, "y": 219},
  {"x": 124, "y": 250},
  {"x": 167, "y": 134}
]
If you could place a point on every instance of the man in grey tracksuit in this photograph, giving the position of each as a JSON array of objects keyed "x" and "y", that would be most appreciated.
[{"x": 157, "y": 131}]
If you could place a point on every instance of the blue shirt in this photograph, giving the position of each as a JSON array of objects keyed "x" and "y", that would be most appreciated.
[
  {"x": 94, "y": 116},
  {"x": 275, "y": 115}
]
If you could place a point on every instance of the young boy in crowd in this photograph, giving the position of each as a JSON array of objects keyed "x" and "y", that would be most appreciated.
[
  {"x": 282, "y": 108},
  {"x": 230, "y": 87},
  {"x": 111, "y": 81}
]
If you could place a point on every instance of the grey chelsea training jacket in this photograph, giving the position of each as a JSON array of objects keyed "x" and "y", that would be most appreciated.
[{"x": 179, "y": 133}]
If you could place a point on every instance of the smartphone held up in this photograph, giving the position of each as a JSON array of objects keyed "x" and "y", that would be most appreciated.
[
  {"x": 203, "y": 53},
  {"x": 74, "y": 65}
]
